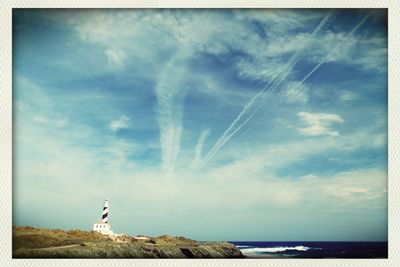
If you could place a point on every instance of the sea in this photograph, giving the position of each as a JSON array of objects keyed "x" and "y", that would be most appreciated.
[{"x": 312, "y": 250}]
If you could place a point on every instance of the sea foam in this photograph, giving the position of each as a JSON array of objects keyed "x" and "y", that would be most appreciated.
[{"x": 272, "y": 250}]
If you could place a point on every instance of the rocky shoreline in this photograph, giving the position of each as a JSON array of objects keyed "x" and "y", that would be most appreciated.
[{"x": 29, "y": 242}]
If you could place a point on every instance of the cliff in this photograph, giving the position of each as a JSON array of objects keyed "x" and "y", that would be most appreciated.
[{"x": 29, "y": 242}]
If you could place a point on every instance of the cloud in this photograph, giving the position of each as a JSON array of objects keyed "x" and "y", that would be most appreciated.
[
  {"x": 319, "y": 124},
  {"x": 199, "y": 147},
  {"x": 247, "y": 187},
  {"x": 354, "y": 187},
  {"x": 368, "y": 53},
  {"x": 121, "y": 123},
  {"x": 170, "y": 93},
  {"x": 205, "y": 31},
  {"x": 115, "y": 58},
  {"x": 296, "y": 93},
  {"x": 278, "y": 21},
  {"x": 348, "y": 96},
  {"x": 251, "y": 108},
  {"x": 57, "y": 122}
]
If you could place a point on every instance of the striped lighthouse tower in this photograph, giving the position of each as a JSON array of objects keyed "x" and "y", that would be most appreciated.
[
  {"x": 102, "y": 226},
  {"x": 104, "y": 217}
]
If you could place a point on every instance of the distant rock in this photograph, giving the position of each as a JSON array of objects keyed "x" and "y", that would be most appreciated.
[{"x": 29, "y": 242}]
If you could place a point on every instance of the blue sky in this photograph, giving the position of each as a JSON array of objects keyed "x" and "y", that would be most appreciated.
[{"x": 211, "y": 124}]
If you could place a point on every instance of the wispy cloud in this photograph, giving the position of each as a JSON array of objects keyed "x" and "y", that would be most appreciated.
[
  {"x": 319, "y": 123},
  {"x": 57, "y": 121},
  {"x": 115, "y": 58},
  {"x": 170, "y": 92},
  {"x": 329, "y": 55},
  {"x": 199, "y": 147},
  {"x": 294, "y": 93},
  {"x": 348, "y": 96},
  {"x": 122, "y": 122},
  {"x": 254, "y": 104}
]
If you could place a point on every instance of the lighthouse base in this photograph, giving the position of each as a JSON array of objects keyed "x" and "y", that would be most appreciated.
[{"x": 103, "y": 228}]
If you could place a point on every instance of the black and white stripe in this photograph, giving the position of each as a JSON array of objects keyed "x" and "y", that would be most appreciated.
[{"x": 104, "y": 218}]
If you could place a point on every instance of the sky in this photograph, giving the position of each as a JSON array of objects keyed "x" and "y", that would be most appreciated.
[{"x": 224, "y": 124}]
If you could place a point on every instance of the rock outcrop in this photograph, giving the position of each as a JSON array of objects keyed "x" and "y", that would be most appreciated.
[{"x": 29, "y": 242}]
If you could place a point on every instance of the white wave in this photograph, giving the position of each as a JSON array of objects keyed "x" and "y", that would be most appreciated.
[
  {"x": 272, "y": 250},
  {"x": 243, "y": 246}
]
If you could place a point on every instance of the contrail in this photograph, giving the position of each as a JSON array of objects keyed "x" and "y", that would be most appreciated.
[
  {"x": 310, "y": 73},
  {"x": 170, "y": 96},
  {"x": 199, "y": 147},
  {"x": 276, "y": 81}
]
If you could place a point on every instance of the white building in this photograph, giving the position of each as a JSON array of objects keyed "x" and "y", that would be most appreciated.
[
  {"x": 103, "y": 228},
  {"x": 141, "y": 238}
]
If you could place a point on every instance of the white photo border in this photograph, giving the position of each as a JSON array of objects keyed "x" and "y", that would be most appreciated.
[{"x": 6, "y": 129}]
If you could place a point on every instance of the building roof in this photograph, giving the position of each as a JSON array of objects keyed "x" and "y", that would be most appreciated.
[{"x": 101, "y": 222}]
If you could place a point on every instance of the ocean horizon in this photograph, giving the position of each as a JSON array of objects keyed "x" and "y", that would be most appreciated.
[{"x": 313, "y": 249}]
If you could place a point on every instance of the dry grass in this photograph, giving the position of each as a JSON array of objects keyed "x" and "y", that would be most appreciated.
[
  {"x": 31, "y": 238},
  {"x": 29, "y": 242}
]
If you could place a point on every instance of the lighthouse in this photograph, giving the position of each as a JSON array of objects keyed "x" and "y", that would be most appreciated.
[
  {"x": 104, "y": 217},
  {"x": 103, "y": 226}
]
